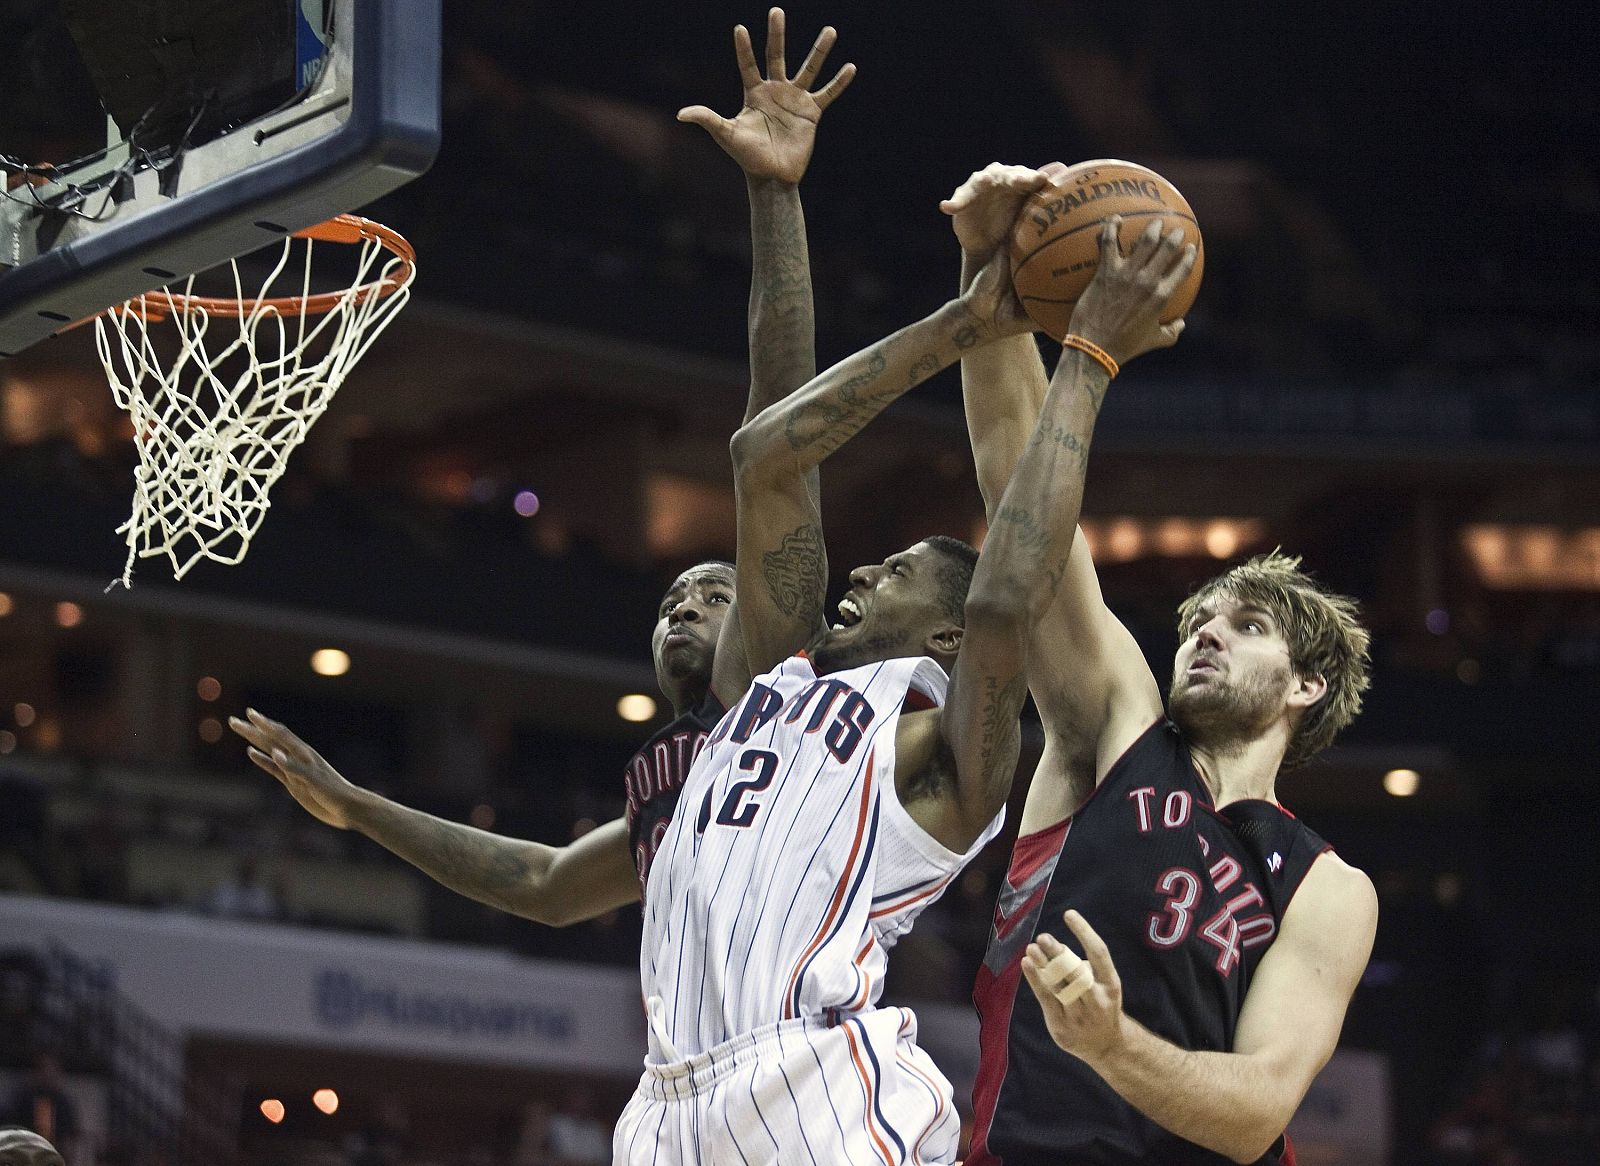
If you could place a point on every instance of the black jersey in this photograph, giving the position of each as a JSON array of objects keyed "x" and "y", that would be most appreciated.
[
  {"x": 656, "y": 774},
  {"x": 1186, "y": 896}
]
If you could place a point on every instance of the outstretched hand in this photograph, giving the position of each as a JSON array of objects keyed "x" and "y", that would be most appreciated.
[
  {"x": 984, "y": 208},
  {"x": 1121, "y": 308},
  {"x": 773, "y": 134},
  {"x": 1091, "y": 1025},
  {"x": 314, "y": 783}
]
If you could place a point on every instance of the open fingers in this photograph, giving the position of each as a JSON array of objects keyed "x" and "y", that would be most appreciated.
[
  {"x": 1094, "y": 948},
  {"x": 777, "y": 67},
  {"x": 706, "y": 118},
  {"x": 744, "y": 52},
  {"x": 1145, "y": 246},
  {"x": 1110, "y": 247},
  {"x": 826, "y": 96},
  {"x": 1177, "y": 265},
  {"x": 1030, "y": 972},
  {"x": 264, "y": 762},
  {"x": 812, "y": 65},
  {"x": 273, "y": 738}
]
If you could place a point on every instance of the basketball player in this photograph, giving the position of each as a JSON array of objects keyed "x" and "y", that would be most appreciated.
[
  {"x": 771, "y": 139},
  {"x": 853, "y": 781},
  {"x": 1224, "y": 937}
]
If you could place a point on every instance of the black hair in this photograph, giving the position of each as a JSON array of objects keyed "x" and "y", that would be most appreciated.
[
  {"x": 955, "y": 575},
  {"x": 722, "y": 563}
]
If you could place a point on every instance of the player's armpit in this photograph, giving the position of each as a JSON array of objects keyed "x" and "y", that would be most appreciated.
[{"x": 1302, "y": 987}]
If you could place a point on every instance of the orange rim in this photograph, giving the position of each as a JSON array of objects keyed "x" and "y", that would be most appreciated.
[{"x": 156, "y": 306}]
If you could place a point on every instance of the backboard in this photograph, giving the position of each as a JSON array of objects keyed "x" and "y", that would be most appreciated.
[{"x": 234, "y": 123}]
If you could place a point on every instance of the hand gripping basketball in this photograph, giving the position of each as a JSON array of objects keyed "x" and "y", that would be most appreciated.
[{"x": 1067, "y": 976}]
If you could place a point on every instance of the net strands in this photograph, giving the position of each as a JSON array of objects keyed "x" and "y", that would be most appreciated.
[{"x": 215, "y": 425}]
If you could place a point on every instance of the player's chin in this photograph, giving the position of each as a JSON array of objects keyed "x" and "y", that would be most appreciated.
[{"x": 683, "y": 658}]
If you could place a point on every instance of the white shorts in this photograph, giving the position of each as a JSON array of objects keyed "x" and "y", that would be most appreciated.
[{"x": 800, "y": 1091}]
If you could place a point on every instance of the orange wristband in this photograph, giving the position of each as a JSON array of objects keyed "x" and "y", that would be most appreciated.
[{"x": 1094, "y": 350}]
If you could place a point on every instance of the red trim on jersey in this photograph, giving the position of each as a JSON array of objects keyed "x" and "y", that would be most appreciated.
[
  {"x": 867, "y": 1108},
  {"x": 860, "y": 1001},
  {"x": 917, "y": 898},
  {"x": 994, "y": 996},
  {"x": 917, "y": 702},
  {"x": 1030, "y": 851},
  {"x": 838, "y": 891}
]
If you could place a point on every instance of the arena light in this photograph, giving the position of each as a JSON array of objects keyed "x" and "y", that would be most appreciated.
[
  {"x": 1123, "y": 538},
  {"x": 24, "y": 713},
  {"x": 1510, "y": 557},
  {"x": 636, "y": 707},
  {"x": 8, "y": 741},
  {"x": 68, "y": 614},
  {"x": 208, "y": 688},
  {"x": 330, "y": 662},
  {"x": 326, "y": 1100},
  {"x": 210, "y": 730},
  {"x": 7, "y": 604},
  {"x": 1401, "y": 783},
  {"x": 272, "y": 1109}
]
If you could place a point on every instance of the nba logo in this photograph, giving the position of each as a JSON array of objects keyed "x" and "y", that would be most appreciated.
[{"x": 310, "y": 41}]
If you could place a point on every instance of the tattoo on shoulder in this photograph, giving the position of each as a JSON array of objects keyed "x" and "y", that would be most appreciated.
[{"x": 796, "y": 573}]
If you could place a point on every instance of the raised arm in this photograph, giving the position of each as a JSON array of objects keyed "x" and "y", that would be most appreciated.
[
  {"x": 771, "y": 138},
  {"x": 554, "y": 885},
  {"x": 782, "y": 562},
  {"x": 1089, "y": 679},
  {"x": 1026, "y": 553}
]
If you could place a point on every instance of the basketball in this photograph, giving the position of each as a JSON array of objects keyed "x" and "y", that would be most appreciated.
[{"x": 1055, "y": 246}]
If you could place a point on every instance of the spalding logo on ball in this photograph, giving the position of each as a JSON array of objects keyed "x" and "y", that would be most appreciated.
[{"x": 1055, "y": 246}]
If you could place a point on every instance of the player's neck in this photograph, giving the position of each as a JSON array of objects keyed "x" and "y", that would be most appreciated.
[
  {"x": 1242, "y": 770},
  {"x": 684, "y": 699}
]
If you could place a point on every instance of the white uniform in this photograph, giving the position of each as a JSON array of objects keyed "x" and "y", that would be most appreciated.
[{"x": 788, "y": 873}]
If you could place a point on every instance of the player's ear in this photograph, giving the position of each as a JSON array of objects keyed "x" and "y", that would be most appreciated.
[
  {"x": 945, "y": 642},
  {"x": 1307, "y": 691}
]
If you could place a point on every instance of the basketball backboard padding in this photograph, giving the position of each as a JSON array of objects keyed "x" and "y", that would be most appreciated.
[{"x": 370, "y": 126}]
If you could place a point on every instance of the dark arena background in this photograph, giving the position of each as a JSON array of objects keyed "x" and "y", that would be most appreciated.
[{"x": 1393, "y": 369}]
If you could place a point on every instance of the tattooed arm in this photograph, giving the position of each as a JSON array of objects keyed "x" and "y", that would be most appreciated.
[
  {"x": 1088, "y": 676},
  {"x": 783, "y": 565},
  {"x": 771, "y": 138},
  {"x": 554, "y": 885},
  {"x": 1027, "y": 551}
]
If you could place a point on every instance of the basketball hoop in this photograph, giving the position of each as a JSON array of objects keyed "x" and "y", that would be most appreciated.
[{"x": 215, "y": 424}]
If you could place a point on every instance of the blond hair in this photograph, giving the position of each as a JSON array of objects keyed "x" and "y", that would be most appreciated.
[{"x": 1324, "y": 635}]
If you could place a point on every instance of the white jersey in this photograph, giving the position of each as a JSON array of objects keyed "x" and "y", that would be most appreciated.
[{"x": 791, "y": 868}]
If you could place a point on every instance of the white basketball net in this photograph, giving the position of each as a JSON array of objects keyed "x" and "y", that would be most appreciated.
[{"x": 215, "y": 426}]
